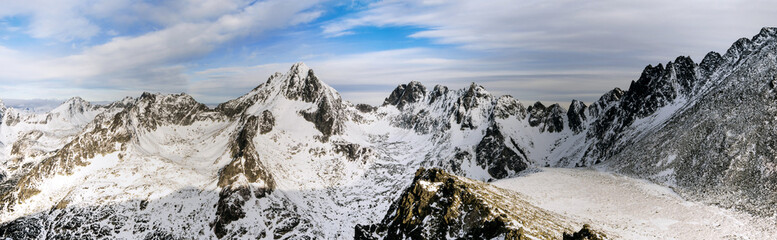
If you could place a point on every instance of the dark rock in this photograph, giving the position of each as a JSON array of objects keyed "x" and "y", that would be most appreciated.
[
  {"x": 507, "y": 106},
  {"x": 326, "y": 118},
  {"x": 555, "y": 119},
  {"x": 405, "y": 94},
  {"x": 710, "y": 63},
  {"x": 496, "y": 157},
  {"x": 468, "y": 101},
  {"x": 229, "y": 208},
  {"x": 160, "y": 235},
  {"x": 267, "y": 122},
  {"x": 352, "y": 151},
  {"x": 365, "y": 108},
  {"x": 245, "y": 164},
  {"x": 21, "y": 228},
  {"x": 438, "y": 92},
  {"x": 549, "y": 119},
  {"x": 585, "y": 234},
  {"x": 576, "y": 116},
  {"x": 537, "y": 114},
  {"x": 306, "y": 88}
]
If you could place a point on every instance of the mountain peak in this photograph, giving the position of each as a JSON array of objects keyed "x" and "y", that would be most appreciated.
[
  {"x": 711, "y": 62},
  {"x": 745, "y": 46},
  {"x": 301, "y": 83},
  {"x": 768, "y": 32},
  {"x": 299, "y": 69},
  {"x": 73, "y": 105},
  {"x": 406, "y": 93}
]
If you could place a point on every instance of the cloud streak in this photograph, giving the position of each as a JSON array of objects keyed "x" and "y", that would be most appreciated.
[
  {"x": 156, "y": 60},
  {"x": 552, "y": 51}
]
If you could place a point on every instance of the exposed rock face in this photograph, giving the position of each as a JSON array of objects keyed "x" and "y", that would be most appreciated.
[
  {"x": 494, "y": 155},
  {"x": 153, "y": 110},
  {"x": 605, "y": 102},
  {"x": 299, "y": 84},
  {"x": 537, "y": 114},
  {"x": 247, "y": 166},
  {"x": 267, "y": 122},
  {"x": 21, "y": 229},
  {"x": 438, "y": 205},
  {"x": 586, "y": 233},
  {"x": 406, "y": 93},
  {"x": 555, "y": 119},
  {"x": 353, "y": 152},
  {"x": 550, "y": 119},
  {"x": 365, "y": 108},
  {"x": 576, "y": 116},
  {"x": 474, "y": 97},
  {"x": 327, "y": 118},
  {"x": 507, "y": 106}
]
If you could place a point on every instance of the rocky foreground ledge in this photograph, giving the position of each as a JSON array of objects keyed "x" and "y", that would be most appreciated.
[{"x": 439, "y": 205}]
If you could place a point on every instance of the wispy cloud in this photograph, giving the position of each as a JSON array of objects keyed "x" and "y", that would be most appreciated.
[
  {"x": 651, "y": 28},
  {"x": 219, "y": 49},
  {"x": 157, "y": 60}
]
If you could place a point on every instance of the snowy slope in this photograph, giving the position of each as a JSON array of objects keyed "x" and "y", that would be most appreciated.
[{"x": 27, "y": 137}]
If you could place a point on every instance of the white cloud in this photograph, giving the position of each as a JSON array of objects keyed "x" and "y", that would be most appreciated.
[
  {"x": 655, "y": 29},
  {"x": 155, "y": 61},
  {"x": 63, "y": 20}
]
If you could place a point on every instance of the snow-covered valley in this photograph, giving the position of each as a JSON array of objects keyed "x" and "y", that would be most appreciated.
[{"x": 629, "y": 208}]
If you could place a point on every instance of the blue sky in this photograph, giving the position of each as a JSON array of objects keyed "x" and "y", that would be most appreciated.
[{"x": 216, "y": 50}]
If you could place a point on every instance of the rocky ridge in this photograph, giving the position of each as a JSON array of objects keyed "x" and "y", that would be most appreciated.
[{"x": 438, "y": 205}]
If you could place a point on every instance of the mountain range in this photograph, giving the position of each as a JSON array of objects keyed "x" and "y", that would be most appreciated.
[{"x": 292, "y": 159}]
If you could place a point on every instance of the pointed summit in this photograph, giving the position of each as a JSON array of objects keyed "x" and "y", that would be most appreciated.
[
  {"x": 406, "y": 94},
  {"x": 744, "y": 47},
  {"x": 299, "y": 69},
  {"x": 74, "y": 105},
  {"x": 301, "y": 83}
]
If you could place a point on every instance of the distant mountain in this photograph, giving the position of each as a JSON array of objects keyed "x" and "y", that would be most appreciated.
[{"x": 291, "y": 159}]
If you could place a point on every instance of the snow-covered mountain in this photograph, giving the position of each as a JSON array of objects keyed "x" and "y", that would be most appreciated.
[{"x": 291, "y": 159}]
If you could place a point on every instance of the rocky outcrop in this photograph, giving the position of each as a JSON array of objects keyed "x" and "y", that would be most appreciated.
[
  {"x": 585, "y": 233},
  {"x": 153, "y": 110},
  {"x": 406, "y": 94},
  {"x": 576, "y": 116},
  {"x": 501, "y": 161},
  {"x": 327, "y": 117},
  {"x": 507, "y": 106},
  {"x": 473, "y": 98},
  {"x": 353, "y": 151},
  {"x": 245, "y": 176},
  {"x": 438, "y": 205},
  {"x": 266, "y": 122},
  {"x": 550, "y": 119}
]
